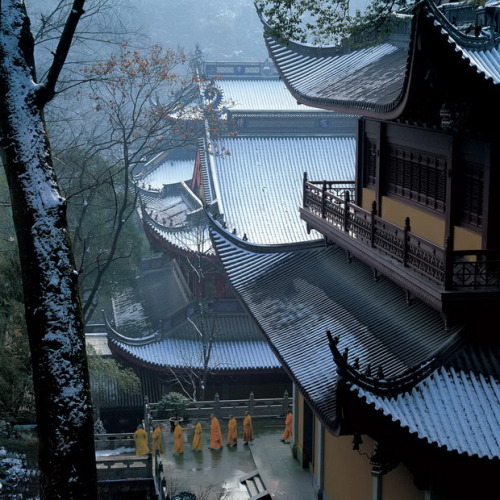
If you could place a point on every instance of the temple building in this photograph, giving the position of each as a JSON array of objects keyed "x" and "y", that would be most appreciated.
[
  {"x": 388, "y": 325},
  {"x": 184, "y": 321}
]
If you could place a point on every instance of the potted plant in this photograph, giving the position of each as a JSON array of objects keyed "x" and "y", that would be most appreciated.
[{"x": 175, "y": 404}]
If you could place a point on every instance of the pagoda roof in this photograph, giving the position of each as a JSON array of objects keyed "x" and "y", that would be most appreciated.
[
  {"x": 238, "y": 345},
  {"x": 298, "y": 292},
  {"x": 443, "y": 409},
  {"x": 260, "y": 182},
  {"x": 264, "y": 95},
  {"x": 163, "y": 170},
  {"x": 421, "y": 369},
  {"x": 376, "y": 81}
]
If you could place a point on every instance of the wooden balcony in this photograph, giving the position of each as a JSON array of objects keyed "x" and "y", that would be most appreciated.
[{"x": 441, "y": 277}]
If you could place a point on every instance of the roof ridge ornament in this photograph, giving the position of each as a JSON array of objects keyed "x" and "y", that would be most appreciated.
[{"x": 376, "y": 382}]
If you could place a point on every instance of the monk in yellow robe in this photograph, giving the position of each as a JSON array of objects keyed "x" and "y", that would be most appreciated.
[
  {"x": 157, "y": 442},
  {"x": 178, "y": 440},
  {"x": 247, "y": 428},
  {"x": 215, "y": 433},
  {"x": 287, "y": 433},
  {"x": 232, "y": 432},
  {"x": 197, "y": 444},
  {"x": 141, "y": 441}
]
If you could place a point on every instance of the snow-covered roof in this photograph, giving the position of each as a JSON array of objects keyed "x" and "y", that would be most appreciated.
[
  {"x": 454, "y": 409},
  {"x": 260, "y": 95},
  {"x": 376, "y": 81},
  {"x": 371, "y": 77},
  {"x": 238, "y": 345},
  {"x": 260, "y": 182},
  {"x": 168, "y": 172},
  {"x": 190, "y": 238},
  {"x": 226, "y": 356},
  {"x": 298, "y": 292}
]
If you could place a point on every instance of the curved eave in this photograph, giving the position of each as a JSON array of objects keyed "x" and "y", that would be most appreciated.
[
  {"x": 388, "y": 110},
  {"x": 475, "y": 52},
  {"x": 472, "y": 51},
  {"x": 225, "y": 369},
  {"x": 443, "y": 408}
]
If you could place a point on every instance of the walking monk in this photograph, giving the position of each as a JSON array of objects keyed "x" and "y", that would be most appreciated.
[
  {"x": 141, "y": 441},
  {"x": 157, "y": 442},
  {"x": 247, "y": 428},
  {"x": 232, "y": 432},
  {"x": 178, "y": 440},
  {"x": 197, "y": 443},
  {"x": 215, "y": 433},
  {"x": 287, "y": 433}
]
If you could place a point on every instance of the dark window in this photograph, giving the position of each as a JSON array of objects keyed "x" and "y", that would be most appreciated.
[
  {"x": 371, "y": 162},
  {"x": 472, "y": 200},
  {"x": 417, "y": 176}
]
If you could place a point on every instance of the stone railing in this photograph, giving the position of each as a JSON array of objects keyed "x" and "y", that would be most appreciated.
[
  {"x": 114, "y": 441},
  {"x": 258, "y": 408},
  {"x": 113, "y": 468}
]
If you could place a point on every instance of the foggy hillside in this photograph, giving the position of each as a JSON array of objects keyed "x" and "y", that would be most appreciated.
[{"x": 224, "y": 30}]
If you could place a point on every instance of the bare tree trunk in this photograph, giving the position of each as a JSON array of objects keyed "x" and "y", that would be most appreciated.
[{"x": 53, "y": 312}]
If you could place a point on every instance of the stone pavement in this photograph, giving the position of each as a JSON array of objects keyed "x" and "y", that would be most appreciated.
[{"x": 214, "y": 475}]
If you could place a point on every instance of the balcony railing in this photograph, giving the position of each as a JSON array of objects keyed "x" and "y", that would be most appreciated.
[{"x": 447, "y": 268}]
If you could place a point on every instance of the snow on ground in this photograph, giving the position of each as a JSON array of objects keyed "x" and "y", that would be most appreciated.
[{"x": 122, "y": 450}]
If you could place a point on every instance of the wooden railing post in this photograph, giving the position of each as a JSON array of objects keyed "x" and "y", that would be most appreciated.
[
  {"x": 251, "y": 403},
  {"x": 146, "y": 410},
  {"x": 448, "y": 263},
  {"x": 406, "y": 230},
  {"x": 372, "y": 224},
  {"x": 347, "y": 200},
  {"x": 217, "y": 406},
  {"x": 323, "y": 200}
]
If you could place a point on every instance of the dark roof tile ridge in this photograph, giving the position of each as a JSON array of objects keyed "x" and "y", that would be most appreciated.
[
  {"x": 375, "y": 382},
  {"x": 459, "y": 38},
  {"x": 118, "y": 338},
  {"x": 216, "y": 227}
]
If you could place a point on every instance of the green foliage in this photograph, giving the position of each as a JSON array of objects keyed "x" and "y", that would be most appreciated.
[
  {"x": 175, "y": 402},
  {"x": 325, "y": 22},
  {"x": 16, "y": 391},
  {"x": 107, "y": 373}
]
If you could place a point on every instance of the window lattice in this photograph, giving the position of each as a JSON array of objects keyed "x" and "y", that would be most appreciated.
[
  {"x": 417, "y": 176},
  {"x": 472, "y": 200}
]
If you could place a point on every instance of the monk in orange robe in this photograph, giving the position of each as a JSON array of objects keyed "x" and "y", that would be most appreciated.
[
  {"x": 157, "y": 440},
  {"x": 287, "y": 433},
  {"x": 197, "y": 443},
  {"x": 215, "y": 433},
  {"x": 247, "y": 428},
  {"x": 141, "y": 441},
  {"x": 232, "y": 432},
  {"x": 178, "y": 440}
]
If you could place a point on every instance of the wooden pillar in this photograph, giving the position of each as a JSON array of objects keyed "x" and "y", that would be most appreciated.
[
  {"x": 453, "y": 196},
  {"x": 380, "y": 166}
]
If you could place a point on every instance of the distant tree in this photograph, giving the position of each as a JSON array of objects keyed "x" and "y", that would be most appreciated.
[
  {"x": 50, "y": 282},
  {"x": 324, "y": 22},
  {"x": 16, "y": 387},
  {"x": 106, "y": 243},
  {"x": 146, "y": 100},
  {"x": 107, "y": 373}
]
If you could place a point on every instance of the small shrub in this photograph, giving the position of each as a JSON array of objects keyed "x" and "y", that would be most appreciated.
[{"x": 175, "y": 402}]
